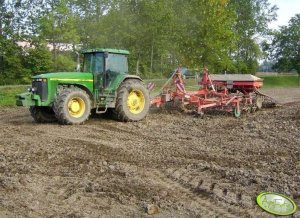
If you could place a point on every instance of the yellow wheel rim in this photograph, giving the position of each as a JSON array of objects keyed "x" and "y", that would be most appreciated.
[
  {"x": 136, "y": 101},
  {"x": 76, "y": 107}
]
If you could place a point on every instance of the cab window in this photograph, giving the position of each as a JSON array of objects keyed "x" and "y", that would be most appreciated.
[
  {"x": 117, "y": 63},
  {"x": 93, "y": 62},
  {"x": 98, "y": 63},
  {"x": 87, "y": 63}
]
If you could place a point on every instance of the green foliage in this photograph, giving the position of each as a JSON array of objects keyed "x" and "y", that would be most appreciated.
[
  {"x": 285, "y": 47},
  {"x": 65, "y": 63},
  {"x": 58, "y": 26},
  {"x": 38, "y": 59},
  {"x": 160, "y": 34},
  {"x": 11, "y": 59},
  {"x": 207, "y": 34},
  {"x": 252, "y": 18}
]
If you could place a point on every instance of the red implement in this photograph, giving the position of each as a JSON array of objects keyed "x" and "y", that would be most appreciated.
[{"x": 230, "y": 93}]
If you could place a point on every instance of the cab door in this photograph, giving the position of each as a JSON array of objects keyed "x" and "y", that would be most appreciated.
[
  {"x": 98, "y": 71},
  {"x": 115, "y": 64}
]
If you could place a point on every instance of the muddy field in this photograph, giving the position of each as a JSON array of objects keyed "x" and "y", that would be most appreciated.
[{"x": 171, "y": 164}]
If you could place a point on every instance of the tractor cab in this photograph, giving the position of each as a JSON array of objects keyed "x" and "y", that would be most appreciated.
[{"x": 107, "y": 65}]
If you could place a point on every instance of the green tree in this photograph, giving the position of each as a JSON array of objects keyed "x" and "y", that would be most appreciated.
[
  {"x": 285, "y": 47},
  {"x": 252, "y": 18},
  {"x": 205, "y": 33},
  {"x": 11, "y": 63},
  {"x": 151, "y": 44},
  {"x": 38, "y": 59},
  {"x": 11, "y": 55},
  {"x": 58, "y": 27},
  {"x": 17, "y": 24},
  {"x": 159, "y": 33}
]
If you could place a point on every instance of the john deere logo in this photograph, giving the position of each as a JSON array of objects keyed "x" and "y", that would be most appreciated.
[{"x": 277, "y": 204}]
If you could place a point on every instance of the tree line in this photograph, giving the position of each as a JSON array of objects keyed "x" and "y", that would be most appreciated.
[{"x": 221, "y": 34}]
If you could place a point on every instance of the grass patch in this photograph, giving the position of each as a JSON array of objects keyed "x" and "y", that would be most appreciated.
[
  {"x": 8, "y": 94},
  {"x": 281, "y": 81}
]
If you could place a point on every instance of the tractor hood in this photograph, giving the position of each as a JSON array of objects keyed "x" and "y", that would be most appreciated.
[{"x": 67, "y": 76}]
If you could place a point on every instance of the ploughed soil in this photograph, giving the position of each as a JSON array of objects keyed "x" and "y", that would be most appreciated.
[{"x": 171, "y": 164}]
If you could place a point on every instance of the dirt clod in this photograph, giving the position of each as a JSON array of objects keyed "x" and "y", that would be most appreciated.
[{"x": 152, "y": 209}]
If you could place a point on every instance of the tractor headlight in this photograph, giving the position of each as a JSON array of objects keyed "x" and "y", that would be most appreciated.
[
  {"x": 40, "y": 80},
  {"x": 31, "y": 89}
]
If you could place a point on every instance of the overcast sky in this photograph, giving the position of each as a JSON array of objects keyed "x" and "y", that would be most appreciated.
[{"x": 287, "y": 9}]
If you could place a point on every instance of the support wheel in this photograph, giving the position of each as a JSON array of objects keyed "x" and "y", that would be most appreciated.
[
  {"x": 236, "y": 112},
  {"x": 42, "y": 114},
  {"x": 72, "y": 106},
  {"x": 132, "y": 101}
]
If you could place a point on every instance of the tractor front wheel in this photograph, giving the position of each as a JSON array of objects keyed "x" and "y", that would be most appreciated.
[
  {"x": 72, "y": 106},
  {"x": 132, "y": 101},
  {"x": 42, "y": 114}
]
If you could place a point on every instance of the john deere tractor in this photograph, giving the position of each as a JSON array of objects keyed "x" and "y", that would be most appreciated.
[{"x": 104, "y": 85}]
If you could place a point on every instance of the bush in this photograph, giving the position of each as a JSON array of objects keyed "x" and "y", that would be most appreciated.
[{"x": 65, "y": 63}]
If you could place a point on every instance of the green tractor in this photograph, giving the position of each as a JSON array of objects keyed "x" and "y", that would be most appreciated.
[{"x": 104, "y": 85}]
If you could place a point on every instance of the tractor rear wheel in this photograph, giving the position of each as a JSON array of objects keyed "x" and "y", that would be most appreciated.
[
  {"x": 72, "y": 106},
  {"x": 132, "y": 101},
  {"x": 42, "y": 114}
]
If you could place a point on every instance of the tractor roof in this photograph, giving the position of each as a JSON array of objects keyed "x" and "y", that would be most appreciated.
[{"x": 109, "y": 50}]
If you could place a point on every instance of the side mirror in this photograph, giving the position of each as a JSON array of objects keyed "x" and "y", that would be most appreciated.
[{"x": 106, "y": 54}]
